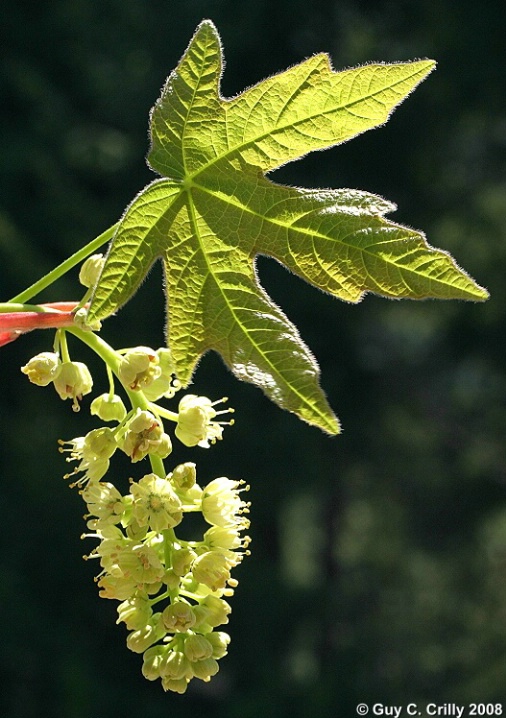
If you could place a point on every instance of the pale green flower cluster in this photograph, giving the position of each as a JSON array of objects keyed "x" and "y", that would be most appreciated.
[{"x": 172, "y": 592}]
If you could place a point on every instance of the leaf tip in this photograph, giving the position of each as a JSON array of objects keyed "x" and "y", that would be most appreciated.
[
  {"x": 429, "y": 66},
  {"x": 320, "y": 415},
  {"x": 482, "y": 294},
  {"x": 207, "y": 27},
  {"x": 333, "y": 428}
]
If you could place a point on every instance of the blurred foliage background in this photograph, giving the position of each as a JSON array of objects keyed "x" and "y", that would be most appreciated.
[{"x": 378, "y": 567}]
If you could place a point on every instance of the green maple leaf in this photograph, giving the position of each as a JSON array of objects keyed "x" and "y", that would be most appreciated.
[{"x": 213, "y": 211}]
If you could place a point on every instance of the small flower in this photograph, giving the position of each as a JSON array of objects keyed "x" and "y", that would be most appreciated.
[
  {"x": 141, "y": 563},
  {"x": 178, "y": 617},
  {"x": 229, "y": 538},
  {"x": 104, "y": 501},
  {"x": 212, "y": 568},
  {"x": 184, "y": 476},
  {"x": 91, "y": 269},
  {"x": 100, "y": 442},
  {"x": 118, "y": 588},
  {"x": 144, "y": 637},
  {"x": 93, "y": 452},
  {"x": 152, "y": 661},
  {"x": 144, "y": 435},
  {"x": 222, "y": 505},
  {"x": 108, "y": 408},
  {"x": 176, "y": 667},
  {"x": 113, "y": 543},
  {"x": 182, "y": 559},
  {"x": 42, "y": 368},
  {"x": 73, "y": 381},
  {"x": 195, "y": 424},
  {"x": 138, "y": 368},
  {"x": 175, "y": 685},
  {"x": 197, "y": 648},
  {"x": 135, "y": 612},
  {"x": 155, "y": 503},
  {"x": 219, "y": 642},
  {"x": 166, "y": 384},
  {"x": 205, "y": 669},
  {"x": 133, "y": 530},
  {"x": 212, "y": 611}
]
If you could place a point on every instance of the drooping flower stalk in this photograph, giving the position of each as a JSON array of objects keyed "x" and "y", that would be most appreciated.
[{"x": 171, "y": 591}]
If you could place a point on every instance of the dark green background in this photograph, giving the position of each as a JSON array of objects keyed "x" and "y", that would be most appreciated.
[{"x": 378, "y": 567}]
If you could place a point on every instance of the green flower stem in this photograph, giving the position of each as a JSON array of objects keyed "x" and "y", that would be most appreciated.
[
  {"x": 159, "y": 598},
  {"x": 169, "y": 537},
  {"x": 110, "y": 378},
  {"x": 168, "y": 542},
  {"x": 62, "y": 342},
  {"x": 111, "y": 359},
  {"x": 65, "y": 266},
  {"x": 157, "y": 466},
  {"x": 161, "y": 411}
]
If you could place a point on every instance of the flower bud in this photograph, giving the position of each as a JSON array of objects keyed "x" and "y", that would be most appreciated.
[
  {"x": 73, "y": 381},
  {"x": 184, "y": 476},
  {"x": 108, "y": 408},
  {"x": 135, "y": 612},
  {"x": 91, "y": 269},
  {"x": 201, "y": 624},
  {"x": 152, "y": 660},
  {"x": 197, "y": 648},
  {"x": 205, "y": 669},
  {"x": 163, "y": 447},
  {"x": 133, "y": 530},
  {"x": 176, "y": 666},
  {"x": 172, "y": 580},
  {"x": 181, "y": 560},
  {"x": 176, "y": 686},
  {"x": 178, "y": 617},
  {"x": 144, "y": 637},
  {"x": 82, "y": 322},
  {"x": 42, "y": 368},
  {"x": 219, "y": 642},
  {"x": 100, "y": 443}
]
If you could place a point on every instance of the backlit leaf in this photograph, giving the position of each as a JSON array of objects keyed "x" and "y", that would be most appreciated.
[{"x": 214, "y": 210}]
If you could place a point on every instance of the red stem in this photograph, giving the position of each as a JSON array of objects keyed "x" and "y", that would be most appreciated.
[{"x": 56, "y": 315}]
